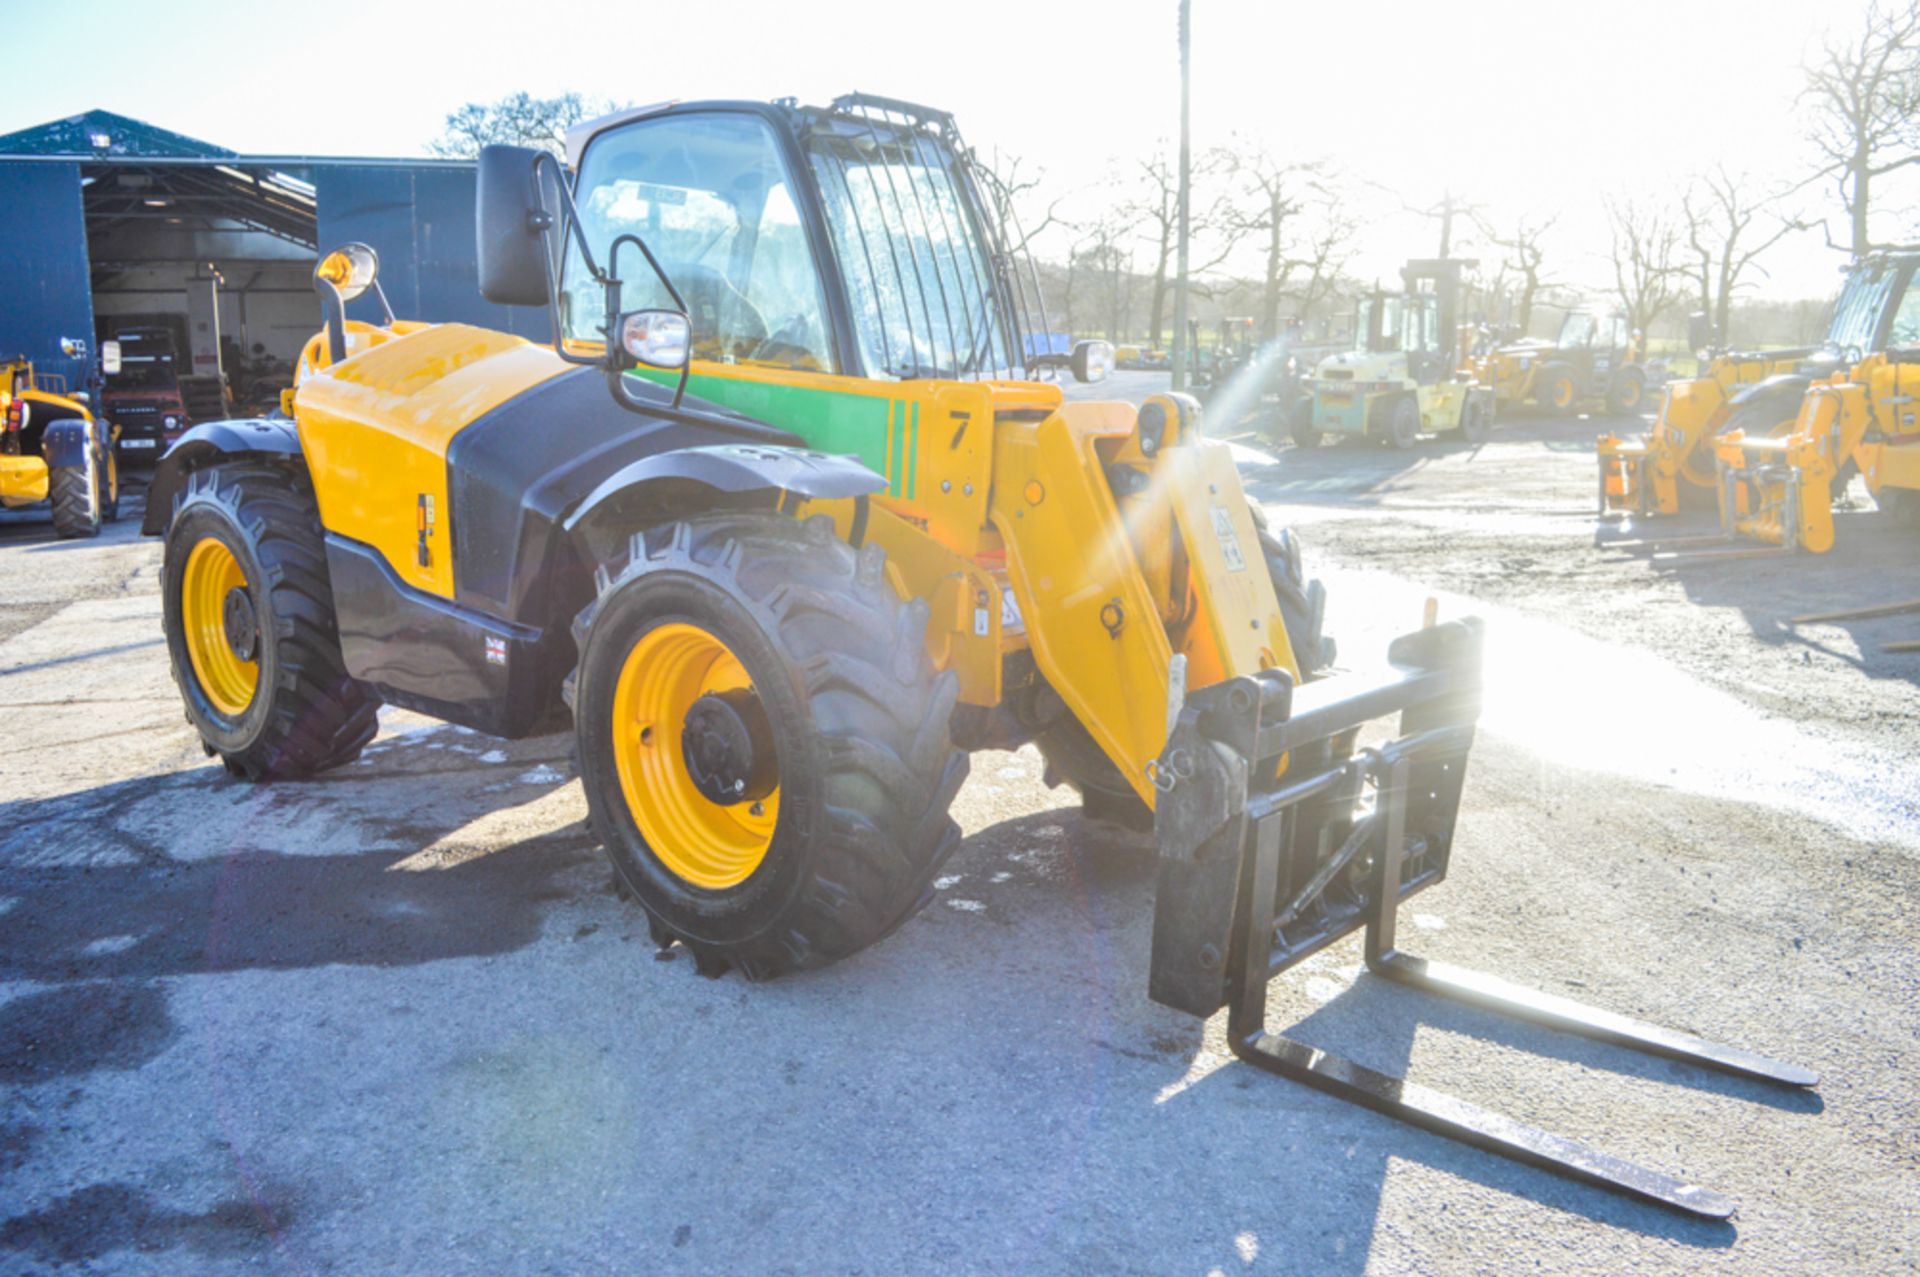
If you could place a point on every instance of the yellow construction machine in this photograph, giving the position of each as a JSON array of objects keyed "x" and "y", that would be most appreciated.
[
  {"x": 53, "y": 450},
  {"x": 782, "y": 522},
  {"x": 1756, "y": 393}
]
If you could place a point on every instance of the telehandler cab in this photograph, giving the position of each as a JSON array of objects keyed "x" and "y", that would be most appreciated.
[
  {"x": 1594, "y": 360},
  {"x": 785, "y": 522},
  {"x": 1758, "y": 393}
]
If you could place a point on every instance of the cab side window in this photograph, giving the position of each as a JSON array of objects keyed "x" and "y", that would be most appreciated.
[{"x": 710, "y": 195}]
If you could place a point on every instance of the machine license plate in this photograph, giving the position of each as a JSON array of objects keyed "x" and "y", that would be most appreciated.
[{"x": 136, "y": 443}]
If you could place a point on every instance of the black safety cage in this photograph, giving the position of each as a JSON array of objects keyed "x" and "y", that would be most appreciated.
[{"x": 920, "y": 174}]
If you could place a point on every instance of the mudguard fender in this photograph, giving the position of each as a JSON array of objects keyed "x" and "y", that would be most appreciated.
[
  {"x": 620, "y": 505},
  {"x": 212, "y": 442},
  {"x": 66, "y": 441}
]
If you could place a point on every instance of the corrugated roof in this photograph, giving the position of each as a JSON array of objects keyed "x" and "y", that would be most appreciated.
[{"x": 98, "y": 133}]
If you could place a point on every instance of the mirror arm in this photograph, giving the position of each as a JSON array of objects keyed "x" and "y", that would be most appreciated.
[
  {"x": 335, "y": 308},
  {"x": 613, "y": 305}
]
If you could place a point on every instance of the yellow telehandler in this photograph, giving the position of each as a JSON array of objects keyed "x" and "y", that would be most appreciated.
[
  {"x": 1757, "y": 393},
  {"x": 54, "y": 450},
  {"x": 783, "y": 520}
]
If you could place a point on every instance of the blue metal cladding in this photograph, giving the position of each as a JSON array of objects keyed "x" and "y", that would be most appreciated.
[
  {"x": 420, "y": 221},
  {"x": 43, "y": 267}
]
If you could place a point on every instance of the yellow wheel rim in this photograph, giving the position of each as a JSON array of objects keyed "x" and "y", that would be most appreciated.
[
  {"x": 705, "y": 843},
  {"x": 228, "y": 678},
  {"x": 1562, "y": 394}
]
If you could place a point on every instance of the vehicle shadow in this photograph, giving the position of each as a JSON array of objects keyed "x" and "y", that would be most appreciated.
[{"x": 1871, "y": 563}]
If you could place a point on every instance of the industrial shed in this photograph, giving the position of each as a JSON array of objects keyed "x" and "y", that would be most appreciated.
[{"x": 109, "y": 222}]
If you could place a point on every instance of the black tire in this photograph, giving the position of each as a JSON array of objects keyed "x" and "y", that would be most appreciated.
[
  {"x": 1301, "y": 427},
  {"x": 1900, "y": 506},
  {"x": 1558, "y": 392},
  {"x": 860, "y": 725},
  {"x": 1626, "y": 392},
  {"x": 1074, "y": 758},
  {"x": 1402, "y": 426},
  {"x": 110, "y": 497},
  {"x": 306, "y": 714},
  {"x": 70, "y": 491},
  {"x": 1476, "y": 420}
]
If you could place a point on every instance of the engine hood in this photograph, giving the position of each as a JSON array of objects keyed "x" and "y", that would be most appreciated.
[{"x": 1363, "y": 365}]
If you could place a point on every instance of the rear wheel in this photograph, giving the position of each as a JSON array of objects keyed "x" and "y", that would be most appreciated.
[
  {"x": 1558, "y": 394},
  {"x": 763, "y": 741},
  {"x": 250, "y": 626},
  {"x": 1305, "y": 433},
  {"x": 1901, "y": 505},
  {"x": 1476, "y": 421},
  {"x": 74, "y": 495}
]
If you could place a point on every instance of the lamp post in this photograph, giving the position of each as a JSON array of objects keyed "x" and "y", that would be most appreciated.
[{"x": 1181, "y": 355}]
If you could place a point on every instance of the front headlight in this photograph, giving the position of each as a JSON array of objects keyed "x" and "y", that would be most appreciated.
[{"x": 171, "y": 423}]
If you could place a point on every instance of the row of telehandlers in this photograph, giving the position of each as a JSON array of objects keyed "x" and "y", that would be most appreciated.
[{"x": 1769, "y": 438}]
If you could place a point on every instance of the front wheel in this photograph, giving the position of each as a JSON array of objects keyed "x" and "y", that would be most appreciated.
[
  {"x": 1558, "y": 393},
  {"x": 764, "y": 744}
]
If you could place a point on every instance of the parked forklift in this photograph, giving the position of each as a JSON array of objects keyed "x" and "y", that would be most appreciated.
[
  {"x": 1403, "y": 378},
  {"x": 1596, "y": 361},
  {"x": 1758, "y": 393},
  {"x": 783, "y": 521},
  {"x": 53, "y": 450}
]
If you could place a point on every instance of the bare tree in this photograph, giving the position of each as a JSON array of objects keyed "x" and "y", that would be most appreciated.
[
  {"x": 1525, "y": 257},
  {"x": 1645, "y": 244},
  {"x": 519, "y": 119},
  {"x": 1865, "y": 93},
  {"x": 1326, "y": 248},
  {"x": 1449, "y": 207},
  {"x": 1156, "y": 212},
  {"x": 1279, "y": 193},
  {"x": 1015, "y": 201},
  {"x": 1724, "y": 240}
]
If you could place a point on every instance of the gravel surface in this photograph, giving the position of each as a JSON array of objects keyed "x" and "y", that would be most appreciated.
[{"x": 395, "y": 1021}]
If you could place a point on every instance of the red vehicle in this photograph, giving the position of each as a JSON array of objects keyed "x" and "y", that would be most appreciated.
[{"x": 144, "y": 398}]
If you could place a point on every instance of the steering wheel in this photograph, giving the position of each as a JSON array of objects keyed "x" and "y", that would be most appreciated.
[{"x": 719, "y": 311}]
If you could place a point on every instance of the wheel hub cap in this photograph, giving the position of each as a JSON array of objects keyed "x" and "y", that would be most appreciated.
[
  {"x": 726, "y": 742},
  {"x": 242, "y": 629}
]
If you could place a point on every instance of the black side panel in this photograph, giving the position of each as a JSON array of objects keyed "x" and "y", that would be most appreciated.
[
  {"x": 513, "y": 473},
  {"x": 426, "y": 654}
]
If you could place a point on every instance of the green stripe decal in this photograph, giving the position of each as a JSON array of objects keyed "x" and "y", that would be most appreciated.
[
  {"x": 913, "y": 454},
  {"x": 896, "y": 447},
  {"x": 829, "y": 420}
]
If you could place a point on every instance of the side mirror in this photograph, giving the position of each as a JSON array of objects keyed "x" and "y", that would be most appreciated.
[
  {"x": 1699, "y": 330},
  {"x": 351, "y": 270},
  {"x": 512, "y": 222},
  {"x": 1091, "y": 360},
  {"x": 81, "y": 396},
  {"x": 657, "y": 338},
  {"x": 110, "y": 358}
]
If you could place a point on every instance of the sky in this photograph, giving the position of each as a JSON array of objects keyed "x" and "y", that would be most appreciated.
[{"x": 1524, "y": 109}]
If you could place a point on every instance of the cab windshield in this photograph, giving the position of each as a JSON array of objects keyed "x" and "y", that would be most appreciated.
[
  {"x": 917, "y": 267},
  {"x": 1871, "y": 291},
  {"x": 1578, "y": 330}
]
